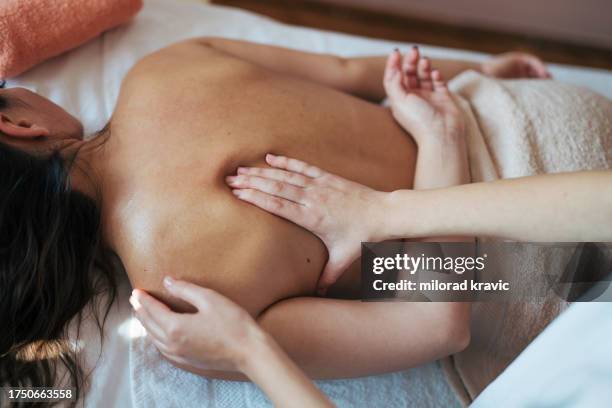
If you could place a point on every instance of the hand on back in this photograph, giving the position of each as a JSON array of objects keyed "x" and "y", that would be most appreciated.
[
  {"x": 340, "y": 212},
  {"x": 229, "y": 330}
]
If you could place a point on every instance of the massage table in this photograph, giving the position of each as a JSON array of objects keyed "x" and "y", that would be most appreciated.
[{"x": 86, "y": 82}]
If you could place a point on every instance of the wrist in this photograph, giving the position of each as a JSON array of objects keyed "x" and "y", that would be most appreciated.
[
  {"x": 404, "y": 214},
  {"x": 391, "y": 215},
  {"x": 453, "y": 138},
  {"x": 257, "y": 345},
  {"x": 378, "y": 217}
]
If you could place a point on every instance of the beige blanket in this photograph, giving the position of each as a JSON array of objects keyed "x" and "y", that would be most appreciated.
[{"x": 520, "y": 128}]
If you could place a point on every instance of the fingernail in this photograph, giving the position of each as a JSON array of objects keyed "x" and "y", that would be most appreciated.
[
  {"x": 134, "y": 302},
  {"x": 241, "y": 170},
  {"x": 236, "y": 193},
  {"x": 230, "y": 179},
  {"x": 270, "y": 156},
  {"x": 168, "y": 282}
]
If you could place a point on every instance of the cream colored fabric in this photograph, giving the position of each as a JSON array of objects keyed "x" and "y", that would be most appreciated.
[{"x": 524, "y": 127}]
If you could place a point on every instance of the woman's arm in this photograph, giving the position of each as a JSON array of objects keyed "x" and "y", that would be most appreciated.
[
  {"x": 555, "y": 207},
  {"x": 222, "y": 336},
  {"x": 362, "y": 76},
  {"x": 335, "y": 338},
  {"x": 561, "y": 207},
  {"x": 280, "y": 378}
]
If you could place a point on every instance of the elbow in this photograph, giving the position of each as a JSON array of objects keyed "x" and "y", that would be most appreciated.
[
  {"x": 456, "y": 334},
  {"x": 346, "y": 74},
  {"x": 210, "y": 42},
  {"x": 460, "y": 339}
]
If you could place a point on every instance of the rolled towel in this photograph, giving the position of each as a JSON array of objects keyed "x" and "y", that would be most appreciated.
[{"x": 34, "y": 30}]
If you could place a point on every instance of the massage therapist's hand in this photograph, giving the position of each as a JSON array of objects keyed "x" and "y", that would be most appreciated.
[
  {"x": 217, "y": 337},
  {"x": 340, "y": 212},
  {"x": 223, "y": 336},
  {"x": 515, "y": 65}
]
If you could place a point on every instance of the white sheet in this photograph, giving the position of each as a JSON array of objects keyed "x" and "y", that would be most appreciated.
[
  {"x": 86, "y": 82},
  {"x": 569, "y": 365}
]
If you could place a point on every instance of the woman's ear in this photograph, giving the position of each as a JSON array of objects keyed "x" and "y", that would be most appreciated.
[{"x": 21, "y": 129}]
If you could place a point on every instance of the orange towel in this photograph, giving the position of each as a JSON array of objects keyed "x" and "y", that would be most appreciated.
[{"x": 32, "y": 31}]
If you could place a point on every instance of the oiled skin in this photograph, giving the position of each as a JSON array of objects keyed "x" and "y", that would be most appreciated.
[{"x": 188, "y": 116}]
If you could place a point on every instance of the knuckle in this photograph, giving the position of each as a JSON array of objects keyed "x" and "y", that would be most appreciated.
[
  {"x": 389, "y": 84},
  {"x": 321, "y": 197},
  {"x": 292, "y": 178},
  {"x": 300, "y": 194},
  {"x": 326, "y": 178},
  {"x": 174, "y": 333},
  {"x": 276, "y": 204},
  {"x": 278, "y": 186},
  {"x": 298, "y": 165},
  {"x": 309, "y": 183},
  {"x": 316, "y": 219}
]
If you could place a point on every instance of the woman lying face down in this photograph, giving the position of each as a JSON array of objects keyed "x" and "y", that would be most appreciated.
[
  {"x": 49, "y": 239},
  {"x": 66, "y": 203}
]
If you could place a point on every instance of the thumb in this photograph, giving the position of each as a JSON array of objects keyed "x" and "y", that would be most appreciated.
[
  {"x": 331, "y": 273},
  {"x": 194, "y": 294},
  {"x": 393, "y": 76}
]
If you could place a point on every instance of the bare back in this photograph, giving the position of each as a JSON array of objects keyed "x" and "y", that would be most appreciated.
[{"x": 186, "y": 118}]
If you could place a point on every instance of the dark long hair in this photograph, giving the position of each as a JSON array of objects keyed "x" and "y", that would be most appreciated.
[{"x": 52, "y": 264}]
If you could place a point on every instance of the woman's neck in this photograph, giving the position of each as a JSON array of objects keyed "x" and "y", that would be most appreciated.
[
  {"x": 87, "y": 172},
  {"x": 97, "y": 176}
]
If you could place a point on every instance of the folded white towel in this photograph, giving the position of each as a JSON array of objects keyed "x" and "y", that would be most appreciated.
[{"x": 157, "y": 383}]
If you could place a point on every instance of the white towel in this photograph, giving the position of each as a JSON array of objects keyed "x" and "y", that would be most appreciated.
[
  {"x": 528, "y": 127},
  {"x": 157, "y": 383}
]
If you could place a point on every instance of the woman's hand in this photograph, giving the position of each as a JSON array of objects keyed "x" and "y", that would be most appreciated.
[
  {"x": 218, "y": 337},
  {"x": 223, "y": 336},
  {"x": 340, "y": 212},
  {"x": 515, "y": 65},
  {"x": 421, "y": 102}
]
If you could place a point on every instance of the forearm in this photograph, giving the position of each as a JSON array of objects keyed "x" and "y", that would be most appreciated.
[
  {"x": 562, "y": 207},
  {"x": 451, "y": 68},
  {"x": 276, "y": 374},
  {"x": 442, "y": 162},
  {"x": 366, "y": 73}
]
